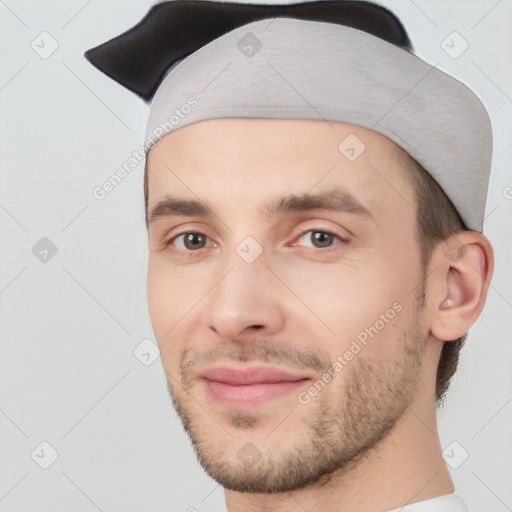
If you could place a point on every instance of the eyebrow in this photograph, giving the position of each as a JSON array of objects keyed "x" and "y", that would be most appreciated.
[{"x": 336, "y": 199}]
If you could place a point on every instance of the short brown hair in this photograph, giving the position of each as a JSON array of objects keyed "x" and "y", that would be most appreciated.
[{"x": 437, "y": 220}]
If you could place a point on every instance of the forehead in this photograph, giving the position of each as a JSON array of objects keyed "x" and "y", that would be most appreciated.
[{"x": 238, "y": 162}]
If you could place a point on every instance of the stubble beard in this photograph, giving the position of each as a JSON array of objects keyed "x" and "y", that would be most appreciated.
[{"x": 336, "y": 435}]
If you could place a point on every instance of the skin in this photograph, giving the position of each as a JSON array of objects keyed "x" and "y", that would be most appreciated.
[{"x": 368, "y": 440}]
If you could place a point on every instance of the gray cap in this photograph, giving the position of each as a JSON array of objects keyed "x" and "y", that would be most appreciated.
[{"x": 289, "y": 68}]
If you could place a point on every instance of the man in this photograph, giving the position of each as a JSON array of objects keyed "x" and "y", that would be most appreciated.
[{"x": 316, "y": 254}]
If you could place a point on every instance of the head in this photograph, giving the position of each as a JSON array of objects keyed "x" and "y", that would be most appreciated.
[{"x": 269, "y": 247}]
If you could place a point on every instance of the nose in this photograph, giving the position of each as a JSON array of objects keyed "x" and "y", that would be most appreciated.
[{"x": 245, "y": 303}]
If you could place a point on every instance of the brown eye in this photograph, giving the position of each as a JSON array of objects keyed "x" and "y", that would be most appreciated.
[
  {"x": 318, "y": 238},
  {"x": 190, "y": 241},
  {"x": 321, "y": 238}
]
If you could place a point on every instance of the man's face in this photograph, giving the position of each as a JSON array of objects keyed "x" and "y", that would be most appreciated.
[{"x": 289, "y": 330}]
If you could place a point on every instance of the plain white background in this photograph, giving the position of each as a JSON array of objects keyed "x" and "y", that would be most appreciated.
[{"x": 69, "y": 326}]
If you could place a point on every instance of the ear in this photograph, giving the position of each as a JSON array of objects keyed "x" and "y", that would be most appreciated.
[{"x": 461, "y": 269}]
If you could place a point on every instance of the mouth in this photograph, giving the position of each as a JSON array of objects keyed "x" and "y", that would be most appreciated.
[{"x": 250, "y": 386}]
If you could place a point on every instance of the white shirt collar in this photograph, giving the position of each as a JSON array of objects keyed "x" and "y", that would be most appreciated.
[{"x": 447, "y": 503}]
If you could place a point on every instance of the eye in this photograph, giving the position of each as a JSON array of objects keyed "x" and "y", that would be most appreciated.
[
  {"x": 192, "y": 241},
  {"x": 189, "y": 241},
  {"x": 319, "y": 238}
]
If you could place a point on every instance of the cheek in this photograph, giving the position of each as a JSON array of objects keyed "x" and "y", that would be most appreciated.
[
  {"x": 348, "y": 300},
  {"x": 159, "y": 300},
  {"x": 171, "y": 298}
]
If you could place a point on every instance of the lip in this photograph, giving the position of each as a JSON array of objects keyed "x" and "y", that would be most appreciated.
[
  {"x": 249, "y": 386},
  {"x": 238, "y": 376}
]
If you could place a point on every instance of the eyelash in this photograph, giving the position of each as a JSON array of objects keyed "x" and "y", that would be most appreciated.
[{"x": 342, "y": 240}]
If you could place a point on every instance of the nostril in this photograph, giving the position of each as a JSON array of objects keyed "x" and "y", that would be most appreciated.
[{"x": 257, "y": 326}]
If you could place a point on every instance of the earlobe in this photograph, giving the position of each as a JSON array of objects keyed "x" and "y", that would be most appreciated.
[{"x": 462, "y": 281}]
